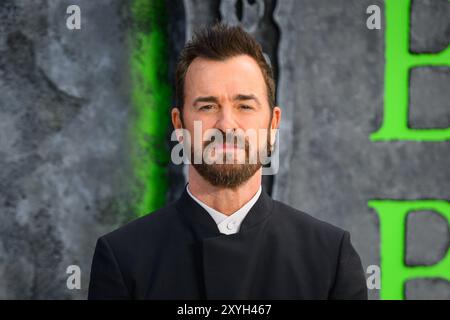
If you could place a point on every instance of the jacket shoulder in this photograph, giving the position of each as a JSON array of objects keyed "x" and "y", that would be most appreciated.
[
  {"x": 151, "y": 226},
  {"x": 304, "y": 223}
]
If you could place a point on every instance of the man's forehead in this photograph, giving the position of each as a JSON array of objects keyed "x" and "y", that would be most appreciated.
[
  {"x": 242, "y": 63},
  {"x": 233, "y": 76}
]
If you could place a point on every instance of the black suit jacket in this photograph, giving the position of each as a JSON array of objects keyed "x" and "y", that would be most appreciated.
[{"x": 177, "y": 252}]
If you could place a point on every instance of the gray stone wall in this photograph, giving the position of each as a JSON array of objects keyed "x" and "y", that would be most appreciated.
[
  {"x": 64, "y": 112},
  {"x": 63, "y": 158}
]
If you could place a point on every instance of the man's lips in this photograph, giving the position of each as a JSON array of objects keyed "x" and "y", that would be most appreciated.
[{"x": 226, "y": 146}]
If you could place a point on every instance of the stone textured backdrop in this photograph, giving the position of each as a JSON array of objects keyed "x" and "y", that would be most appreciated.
[{"x": 64, "y": 110}]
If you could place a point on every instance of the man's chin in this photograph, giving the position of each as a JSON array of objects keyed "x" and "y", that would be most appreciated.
[{"x": 227, "y": 175}]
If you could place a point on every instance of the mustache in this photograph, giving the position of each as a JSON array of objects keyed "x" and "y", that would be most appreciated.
[{"x": 238, "y": 141}]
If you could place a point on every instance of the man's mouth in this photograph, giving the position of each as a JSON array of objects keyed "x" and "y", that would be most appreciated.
[{"x": 226, "y": 147}]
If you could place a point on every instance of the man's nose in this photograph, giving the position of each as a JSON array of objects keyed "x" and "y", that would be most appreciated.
[{"x": 226, "y": 120}]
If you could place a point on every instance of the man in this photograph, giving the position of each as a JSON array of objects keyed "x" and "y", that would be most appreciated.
[{"x": 226, "y": 238}]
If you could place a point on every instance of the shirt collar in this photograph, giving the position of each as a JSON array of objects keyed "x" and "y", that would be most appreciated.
[
  {"x": 203, "y": 226},
  {"x": 228, "y": 224}
]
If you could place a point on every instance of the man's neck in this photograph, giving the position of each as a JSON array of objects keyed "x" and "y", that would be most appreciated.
[{"x": 225, "y": 200}]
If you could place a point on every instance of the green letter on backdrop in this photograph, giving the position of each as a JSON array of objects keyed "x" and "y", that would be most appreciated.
[
  {"x": 394, "y": 272},
  {"x": 399, "y": 61}
]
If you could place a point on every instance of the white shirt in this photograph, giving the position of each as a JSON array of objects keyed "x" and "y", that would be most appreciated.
[{"x": 228, "y": 224}]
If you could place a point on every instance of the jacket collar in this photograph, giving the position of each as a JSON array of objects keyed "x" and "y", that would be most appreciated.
[{"x": 204, "y": 225}]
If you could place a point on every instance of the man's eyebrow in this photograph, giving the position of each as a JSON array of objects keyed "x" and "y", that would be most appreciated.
[
  {"x": 243, "y": 97},
  {"x": 238, "y": 97},
  {"x": 206, "y": 99}
]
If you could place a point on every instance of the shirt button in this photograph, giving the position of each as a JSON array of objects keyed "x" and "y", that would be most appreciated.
[{"x": 230, "y": 225}]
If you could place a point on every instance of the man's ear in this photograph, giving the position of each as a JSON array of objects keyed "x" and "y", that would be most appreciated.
[
  {"x": 275, "y": 124},
  {"x": 177, "y": 122},
  {"x": 176, "y": 118}
]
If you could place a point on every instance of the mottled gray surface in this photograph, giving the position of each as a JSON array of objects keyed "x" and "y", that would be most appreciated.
[
  {"x": 427, "y": 289},
  {"x": 63, "y": 116},
  {"x": 428, "y": 237},
  {"x": 331, "y": 90},
  {"x": 430, "y": 26},
  {"x": 64, "y": 110},
  {"x": 425, "y": 110}
]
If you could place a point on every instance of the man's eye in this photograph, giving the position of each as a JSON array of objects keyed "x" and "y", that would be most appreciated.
[
  {"x": 245, "y": 107},
  {"x": 206, "y": 107}
]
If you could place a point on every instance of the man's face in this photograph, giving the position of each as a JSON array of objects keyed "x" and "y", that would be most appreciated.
[{"x": 227, "y": 96}]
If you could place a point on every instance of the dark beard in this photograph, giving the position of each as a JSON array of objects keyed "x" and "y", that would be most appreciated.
[
  {"x": 226, "y": 175},
  {"x": 229, "y": 175}
]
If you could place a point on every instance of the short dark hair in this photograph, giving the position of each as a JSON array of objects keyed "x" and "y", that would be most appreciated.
[{"x": 219, "y": 43}]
